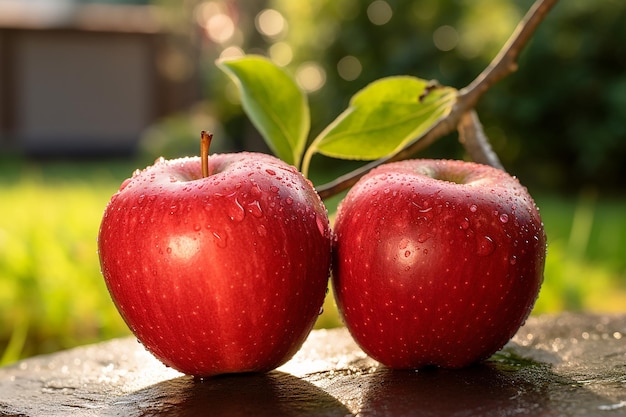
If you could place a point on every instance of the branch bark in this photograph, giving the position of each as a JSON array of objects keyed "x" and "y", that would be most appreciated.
[
  {"x": 462, "y": 114},
  {"x": 476, "y": 143}
]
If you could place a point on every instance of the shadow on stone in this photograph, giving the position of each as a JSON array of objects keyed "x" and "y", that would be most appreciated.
[
  {"x": 506, "y": 385},
  {"x": 272, "y": 394}
]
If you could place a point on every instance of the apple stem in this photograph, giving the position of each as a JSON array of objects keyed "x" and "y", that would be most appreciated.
[{"x": 205, "y": 144}]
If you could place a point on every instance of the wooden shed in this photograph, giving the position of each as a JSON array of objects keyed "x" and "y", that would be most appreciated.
[{"x": 89, "y": 79}]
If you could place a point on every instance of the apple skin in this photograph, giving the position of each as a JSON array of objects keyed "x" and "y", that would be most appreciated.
[
  {"x": 215, "y": 275},
  {"x": 436, "y": 262}
]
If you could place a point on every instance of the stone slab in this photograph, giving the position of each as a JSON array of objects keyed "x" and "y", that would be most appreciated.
[{"x": 565, "y": 365}]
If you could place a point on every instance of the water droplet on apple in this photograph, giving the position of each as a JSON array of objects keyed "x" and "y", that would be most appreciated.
[
  {"x": 173, "y": 209},
  {"x": 219, "y": 240},
  {"x": 270, "y": 171},
  {"x": 125, "y": 183},
  {"x": 141, "y": 198},
  {"x": 256, "y": 191},
  {"x": 321, "y": 225},
  {"x": 465, "y": 224},
  {"x": 236, "y": 211},
  {"x": 168, "y": 250},
  {"x": 197, "y": 227},
  {"x": 255, "y": 208},
  {"x": 423, "y": 237},
  {"x": 319, "y": 313},
  {"x": 486, "y": 246},
  {"x": 289, "y": 200},
  {"x": 513, "y": 260},
  {"x": 403, "y": 243},
  {"x": 407, "y": 253},
  {"x": 274, "y": 189},
  {"x": 261, "y": 230},
  {"x": 473, "y": 208},
  {"x": 504, "y": 218}
]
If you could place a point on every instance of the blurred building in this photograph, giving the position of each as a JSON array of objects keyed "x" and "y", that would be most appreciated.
[{"x": 87, "y": 78}]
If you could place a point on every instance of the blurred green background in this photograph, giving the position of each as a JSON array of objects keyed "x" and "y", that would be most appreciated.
[{"x": 559, "y": 124}]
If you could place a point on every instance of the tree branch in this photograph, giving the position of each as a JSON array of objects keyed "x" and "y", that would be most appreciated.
[
  {"x": 473, "y": 138},
  {"x": 462, "y": 113},
  {"x": 505, "y": 62}
]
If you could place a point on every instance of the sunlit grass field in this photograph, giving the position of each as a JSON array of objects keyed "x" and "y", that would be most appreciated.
[{"x": 52, "y": 295}]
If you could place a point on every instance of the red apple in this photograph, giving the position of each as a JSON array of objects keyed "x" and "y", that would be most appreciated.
[
  {"x": 221, "y": 274},
  {"x": 436, "y": 262}
]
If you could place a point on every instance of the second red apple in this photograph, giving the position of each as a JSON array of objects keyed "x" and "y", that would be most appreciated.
[{"x": 436, "y": 262}]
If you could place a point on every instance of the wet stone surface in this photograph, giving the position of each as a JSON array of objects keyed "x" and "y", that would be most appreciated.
[{"x": 565, "y": 365}]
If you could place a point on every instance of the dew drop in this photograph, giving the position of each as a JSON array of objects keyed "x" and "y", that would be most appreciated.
[
  {"x": 321, "y": 225},
  {"x": 270, "y": 171},
  {"x": 504, "y": 218},
  {"x": 261, "y": 230},
  {"x": 219, "y": 240},
  {"x": 125, "y": 183},
  {"x": 274, "y": 189},
  {"x": 486, "y": 246},
  {"x": 407, "y": 253},
  {"x": 513, "y": 260},
  {"x": 473, "y": 208},
  {"x": 168, "y": 250},
  {"x": 423, "y": 237},
  {"x": 255, "y": 209},
  {"x": 236, "y": 211},
  {"x": 256, "y": 191},
  {"x": 197, "y": 227},
  {"x": 136, "y": 172},
  {"x": 465, "y": 224},
  {"x": 141, "y": 198},
  {"x": 289, "y": 200},
  {"x": 403, "y": 244}
]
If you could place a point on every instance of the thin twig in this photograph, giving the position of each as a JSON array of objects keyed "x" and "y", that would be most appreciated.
[
  {"x": 505, "y": 62},
  {"x": 473, "y": 138},
  {"x": 502, "y": 65},
  {"x": 440, "y": 128}
]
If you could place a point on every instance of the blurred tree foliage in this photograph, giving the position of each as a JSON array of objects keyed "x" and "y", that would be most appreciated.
[{"x": 559, "y": 122}]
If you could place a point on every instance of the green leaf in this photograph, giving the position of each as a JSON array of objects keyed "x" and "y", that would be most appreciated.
[
  {"x": 383, "y": 118},
  {"x": 275, "y": 104}
]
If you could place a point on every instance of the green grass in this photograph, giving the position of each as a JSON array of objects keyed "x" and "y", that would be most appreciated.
[
  {"x": 52, "y": 295},
  {"x": 586, "y": 266}
]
